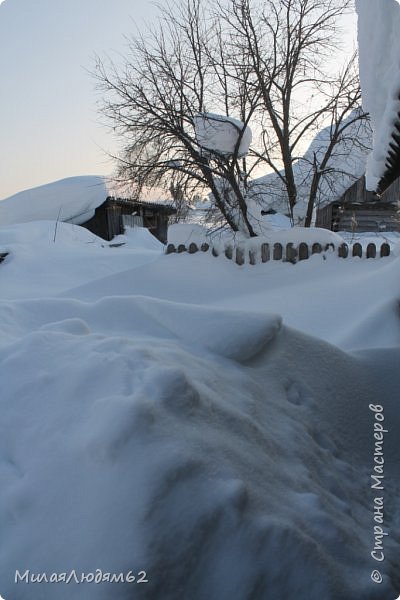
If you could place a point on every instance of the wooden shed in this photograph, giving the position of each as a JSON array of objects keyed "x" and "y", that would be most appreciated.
[
  {"x": 115, "y": 214},
  {"x": 361, "y": 210}
]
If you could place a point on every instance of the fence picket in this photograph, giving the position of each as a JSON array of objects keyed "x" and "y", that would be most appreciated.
[
  {"x": 252, "y": 257},
  {"x": 291, "y": 253},
  {"x": 343, "y": 251},
  {"x": 357, "y": 250},
  {"x": 229, "y": 252},
  {"x": 278, "y": 252},
  {"x": 265, "y": 255},
  {"x": 239, "y": 256},
  {"x": 303, "y": 251},
  {"x": 371, "y": 251}
]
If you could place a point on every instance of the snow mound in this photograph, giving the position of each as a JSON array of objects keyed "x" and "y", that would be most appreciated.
[
  {"x": 226, "y": 455},
  {"x": 306, "y": 235},
  {"x": 294, "y": 235},
  {"x": 186, "y": 234},
  {"x": 46, "y": 257},
  {"x": 139, "y": 238},
  {"x": 235, "y": 335},
  {"x": 377, "y": 323},
  {"x": 39, "y": 233},
  {"x": 277, "y": 221},
  {"x": 220, "y": 134},
  {"x": 214, "y": 477},
  {"x": 74, "y": 200}
]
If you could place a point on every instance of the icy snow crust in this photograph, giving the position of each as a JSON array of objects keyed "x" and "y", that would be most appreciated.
[
  {"x": 379, "y": 48},
  {"x": 160, "y": 417}
]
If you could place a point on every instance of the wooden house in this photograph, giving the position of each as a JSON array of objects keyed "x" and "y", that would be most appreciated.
[
  {"x": 361, "y": 210},
  {"x": 392, "y": 163},
  {"x": 115, "y": 214}
]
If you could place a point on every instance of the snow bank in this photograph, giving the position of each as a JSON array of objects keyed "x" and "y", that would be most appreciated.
[
  {"x": 298, "y": 235},
  {"x": 277, "y": 221},
  {"x": 186, "y": 234},
  {"x": 73, "y": 199},
  {"x": 46, "y": 257},
  {"x": 139, "y": 238},
  {"x": 215, "y": 478},
  {"x": 379, "y": 48},
  {"x": 220, "y": 134},
  {"x": 232, "y": 335},
  {"x": 46, "y": 233},
  {"x": 160, "y": 418}
]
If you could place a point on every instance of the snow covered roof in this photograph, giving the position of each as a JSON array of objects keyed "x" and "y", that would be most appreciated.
[
  {"x": 379, "y": 49},
  {"x": 347, "y": 164},
  {"x": 72, "y": 200}
]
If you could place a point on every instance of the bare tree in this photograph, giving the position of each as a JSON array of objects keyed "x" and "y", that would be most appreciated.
[
  {"x": 262, "y": 61},
  {"x": 290, "y": 44},
  {"x": 171, "y": 76},
  {"x": 346, "y": 116},
  {"x": 180, "y": 202}
]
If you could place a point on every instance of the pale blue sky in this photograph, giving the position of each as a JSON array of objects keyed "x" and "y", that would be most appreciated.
[{"x": 49, "y": 126}]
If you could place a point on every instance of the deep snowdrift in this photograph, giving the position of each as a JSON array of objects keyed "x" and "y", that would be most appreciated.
[
  {"x": 48, "y": 257},
  {"x": 161, "y": 418}
]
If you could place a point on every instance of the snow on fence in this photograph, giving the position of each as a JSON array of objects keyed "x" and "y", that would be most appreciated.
[{"x": 285, "y": 252}]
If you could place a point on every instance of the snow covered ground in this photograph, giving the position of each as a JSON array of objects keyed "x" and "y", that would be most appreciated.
[{"x": 206, "y": 423}]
